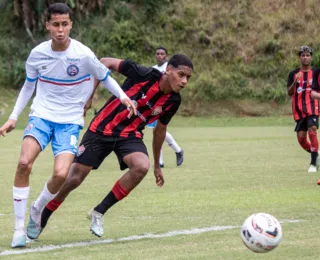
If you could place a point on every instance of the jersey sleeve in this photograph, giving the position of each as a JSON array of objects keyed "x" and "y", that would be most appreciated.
[
  {"x": 315, "y": 80},
  {"x": 165, "y": 118},
  {"x": 96, "y": 68},
  {"x": 31, "y": 69},
  {"x": 291, "y": 78},
  {"x": 134, "y": 71}
]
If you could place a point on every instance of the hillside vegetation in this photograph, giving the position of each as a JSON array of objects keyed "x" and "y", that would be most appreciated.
[{"x": 241, "y": 49}]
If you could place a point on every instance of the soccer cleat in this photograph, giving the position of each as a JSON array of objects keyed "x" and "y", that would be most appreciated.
[
  {"x": 312, "y": 168},
  {"x": 161, "y": 165},
  {"x": 19, "y": 238},
  {"x": 96, "y": 223},
  {"x": 34, "y": 228},
  {"x": 179, "y": 158}
]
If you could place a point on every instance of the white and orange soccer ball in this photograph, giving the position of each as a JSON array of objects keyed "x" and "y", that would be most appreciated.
[{"x": 261, "y": 232}]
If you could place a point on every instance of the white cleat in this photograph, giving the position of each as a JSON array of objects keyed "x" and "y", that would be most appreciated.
[
  {"x": 19, "y": 238},
  {"x": 34, "y": 226},
  {"x": 312, "y": 168},
  {"x": 96, "y": 223}
]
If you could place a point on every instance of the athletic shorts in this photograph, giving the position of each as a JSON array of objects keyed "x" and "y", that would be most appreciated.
[
  {"x": 153, "y": 124},
  {"x": 304, "y": 123},
  {"x": 94, "y": 148},
  {"x": 63, "y": 137}
]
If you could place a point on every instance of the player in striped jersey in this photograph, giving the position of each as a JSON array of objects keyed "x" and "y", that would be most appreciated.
[
  {"x": 304, "y": 108},
  {"x": 64, "y": 70},
  {"x": 156, "y": 97}
]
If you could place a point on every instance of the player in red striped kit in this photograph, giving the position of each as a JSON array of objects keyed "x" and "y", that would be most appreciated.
[
  {"x": 304, "y": 108},
  {"x": 156, "y": 97}
]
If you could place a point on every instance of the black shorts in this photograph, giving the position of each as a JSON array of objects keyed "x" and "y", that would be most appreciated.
[
  {"x": 94, "y": 148},
  {"x": 304, "y": 123}
]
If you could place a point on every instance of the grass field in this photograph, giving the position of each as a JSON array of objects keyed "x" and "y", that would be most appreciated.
[{"x": 229, "y": 172}]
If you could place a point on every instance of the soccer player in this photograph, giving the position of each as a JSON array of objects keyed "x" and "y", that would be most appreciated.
[
  {"x": 304, "y": 108},
  {"x": 161, "y": 57},
  {"x": 64, "y": 70},
  {"x": 157, "y": 97}
]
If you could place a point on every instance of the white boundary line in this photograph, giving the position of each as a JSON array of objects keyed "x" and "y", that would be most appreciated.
[{"x": 193, "y": 231}]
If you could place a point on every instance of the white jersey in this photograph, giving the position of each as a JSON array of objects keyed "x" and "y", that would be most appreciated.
[
  {"x": 65, "y": 81},
  {"x": 161, "y": 68}
]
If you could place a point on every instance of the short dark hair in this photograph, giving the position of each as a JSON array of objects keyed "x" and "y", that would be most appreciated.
[
  {"x": 162, "y": 48},
  {"x": 180, "y": 59},
  {"x": 58, "y": 8},
  {"x": 305, "y": 48}
]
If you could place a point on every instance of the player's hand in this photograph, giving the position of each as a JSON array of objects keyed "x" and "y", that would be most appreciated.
[
  {"x": 129, "y": 104},
  {"x": 87, "y": 106},
  {"x": 8, "y": 127},
  {"x": 159, "y": 177},
  {"x": 298, "y": 76}
]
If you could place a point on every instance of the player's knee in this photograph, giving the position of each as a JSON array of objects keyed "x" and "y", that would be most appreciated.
[
  {"x": 60, "y": 177},
  {"x": 73, "y": 182},
  {"x": 140, "y": 170},
  {"x": 24, "y": 166}
]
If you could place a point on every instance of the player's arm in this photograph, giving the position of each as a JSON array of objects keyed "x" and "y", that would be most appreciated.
[
  {"x": 101, "y": 72},
  {"x": 111, "y": 63},
  {"x": 159, "y": 134},
  {"x": 292, "y": 81},
  {"x": 23, "y": 99},
  {"x": 315, "y": 85},
  {"x": 24, "y": 95}
]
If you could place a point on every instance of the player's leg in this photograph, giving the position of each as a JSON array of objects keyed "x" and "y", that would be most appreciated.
[
  {"x": 301, "y": 129},
  {"x": 173, "y": 144},
  {"x": 312, "y": 122},
  {"x": 131, "y": 154},
  {"x": 77, "y": 174},
  {"x": 36, "y": 137},
  {"x": 161, "y": 162},
  {"x": 91, "y": 153},
  {"x": 64, "y": 146}
]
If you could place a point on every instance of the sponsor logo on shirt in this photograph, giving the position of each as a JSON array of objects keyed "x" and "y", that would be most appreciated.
[
  {"x": 156, "y": 111},
  {"x": 72, "y": 70},
  {"x": 73, "y": 59}
]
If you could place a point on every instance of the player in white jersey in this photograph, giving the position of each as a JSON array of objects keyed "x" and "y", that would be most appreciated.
[
  {"x": 162, "y": 57},
  {"x": 64, "y": 70}
]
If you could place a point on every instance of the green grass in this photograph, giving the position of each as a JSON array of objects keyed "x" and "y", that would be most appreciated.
[{"x": 228, "y": 174}]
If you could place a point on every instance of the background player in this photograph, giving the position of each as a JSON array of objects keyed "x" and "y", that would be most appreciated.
[{"x": 305, "y": 109}]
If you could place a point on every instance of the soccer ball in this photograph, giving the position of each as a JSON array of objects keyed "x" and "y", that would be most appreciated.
[{"x": 261, "y": 232}]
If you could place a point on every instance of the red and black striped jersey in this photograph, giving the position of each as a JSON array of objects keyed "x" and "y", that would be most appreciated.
[
  {"x": 302, "y": 103},
  {"x": 142, "y": 87}
]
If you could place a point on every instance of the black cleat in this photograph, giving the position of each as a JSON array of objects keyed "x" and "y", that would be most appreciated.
[
  {"x": 162, "y": 165},
  {"x": 179, "y": 158}
]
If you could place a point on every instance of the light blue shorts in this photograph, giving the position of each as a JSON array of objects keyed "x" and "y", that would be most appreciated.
[
  {"x": 153, "y": 124},
  {"x": 63, "y": 137}
]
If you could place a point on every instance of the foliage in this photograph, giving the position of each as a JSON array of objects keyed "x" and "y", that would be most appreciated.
[{"x": 240, "y": 49}]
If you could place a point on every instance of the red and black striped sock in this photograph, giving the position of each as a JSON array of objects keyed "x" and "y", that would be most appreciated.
[
  {"x": 116, "y": 194},
  {"x": 48, "y": 210}
]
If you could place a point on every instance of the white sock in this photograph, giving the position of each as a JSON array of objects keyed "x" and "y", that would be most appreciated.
[
  {"x": 172, "y": 143},
  {"x": 20, "y": 199},
  {"x": 43, "y": 199},
  {"x": 161, "y": 157}
]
